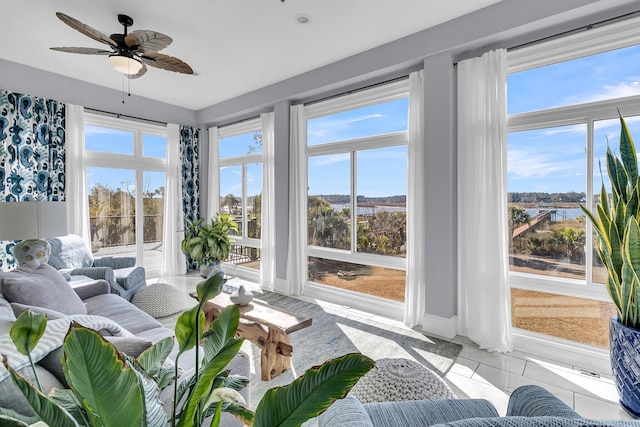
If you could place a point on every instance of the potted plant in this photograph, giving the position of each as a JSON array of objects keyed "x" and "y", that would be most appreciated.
[
  {"x": 618, "y": 244},
  {"x": 108, "y": 388},
  {"x": 209, "y": 244}
]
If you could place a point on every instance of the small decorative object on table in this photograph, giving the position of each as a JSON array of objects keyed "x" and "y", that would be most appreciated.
[{"x": 241, "y": 296}]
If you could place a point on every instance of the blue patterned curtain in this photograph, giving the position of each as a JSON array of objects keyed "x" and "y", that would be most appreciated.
[
  {"x": 189, "y": 155},
  {"x": 31, "y": 153}
]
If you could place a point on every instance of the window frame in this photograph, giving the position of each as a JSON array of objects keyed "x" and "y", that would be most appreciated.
[
  {"x": 136, "y": 161},
  {"x": 598, "y": 40},
  {"x": 247, "y": 126},
  {"x": 360, "y": 99}
]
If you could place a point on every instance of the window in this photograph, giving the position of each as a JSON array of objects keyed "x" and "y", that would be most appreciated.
[
  {"x": 126, "y": 164},
  {"x": 562, "y": 114},
  {"x": 356, "y": 151},
  {"x": 240, "y": 189}
]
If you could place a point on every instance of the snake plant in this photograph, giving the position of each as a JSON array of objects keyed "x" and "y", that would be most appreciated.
[{"x": 618, "y": 234}]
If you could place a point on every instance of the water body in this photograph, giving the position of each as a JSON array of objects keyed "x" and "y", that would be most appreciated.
[
  {"x": 561, "y": 214},
  {"x": 369, "y": 210}
]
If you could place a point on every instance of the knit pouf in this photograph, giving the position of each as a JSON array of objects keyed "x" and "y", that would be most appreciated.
[
  {"x": 400, "y": 379},
  {"x": 162, "y": 299}
]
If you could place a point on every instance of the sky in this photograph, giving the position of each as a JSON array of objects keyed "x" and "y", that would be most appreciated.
[
  {"x": 122, "y": 142},
  {"x": 554, "y": 160}
]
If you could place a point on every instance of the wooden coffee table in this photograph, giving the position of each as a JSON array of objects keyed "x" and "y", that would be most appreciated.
[{"x": 266, "y": 326}]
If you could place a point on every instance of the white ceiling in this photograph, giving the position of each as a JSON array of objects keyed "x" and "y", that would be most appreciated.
[{"x": 234, "y": 46}]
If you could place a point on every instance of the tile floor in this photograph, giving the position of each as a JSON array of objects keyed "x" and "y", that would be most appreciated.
[{"x": 493, "y": 376}]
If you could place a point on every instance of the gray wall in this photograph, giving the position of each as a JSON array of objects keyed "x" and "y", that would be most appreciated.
[
  {"x": 504, "y": 24},
  {"x": 32, "y": 81}
]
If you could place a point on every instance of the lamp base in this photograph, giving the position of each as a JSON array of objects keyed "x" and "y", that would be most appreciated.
[{"x": 28, "y": 250}]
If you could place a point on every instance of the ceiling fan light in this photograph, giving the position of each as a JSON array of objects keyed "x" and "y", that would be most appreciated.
[{"x": 125, "y": 65}]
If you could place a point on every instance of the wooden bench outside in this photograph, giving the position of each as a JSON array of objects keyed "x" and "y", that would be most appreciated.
[{"x": 266, "y": 326}]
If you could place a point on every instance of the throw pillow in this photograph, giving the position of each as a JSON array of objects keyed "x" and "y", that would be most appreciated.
[
  {"x": 131, "y": 346},
  {"x": 51, "y": 314},
  {"x": 41, "y": 285}
]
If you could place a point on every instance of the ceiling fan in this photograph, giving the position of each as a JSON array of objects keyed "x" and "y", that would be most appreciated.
[{"x": 130, "y": 52}]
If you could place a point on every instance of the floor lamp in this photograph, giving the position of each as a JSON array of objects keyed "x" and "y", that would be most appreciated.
[{"x": 30, "y": 222}]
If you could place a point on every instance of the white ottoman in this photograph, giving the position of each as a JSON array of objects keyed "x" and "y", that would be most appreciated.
[
  {"x": 162, "y": 299},
  {"x": 400, "y": 379}
]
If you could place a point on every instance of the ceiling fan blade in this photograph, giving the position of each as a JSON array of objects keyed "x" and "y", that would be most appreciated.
[
  {"x": 166, "y": 62},
  {"x": 147, "y": 41},
  {"x": 83, "y": 50},
  {"x": 86, "y": 30},
  {"x": 140, "y": 73}
]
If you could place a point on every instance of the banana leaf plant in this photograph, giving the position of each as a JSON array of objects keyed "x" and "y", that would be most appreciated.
[
  {"x": 618, "y": 234},
  {"x": 108, "y": 388}
]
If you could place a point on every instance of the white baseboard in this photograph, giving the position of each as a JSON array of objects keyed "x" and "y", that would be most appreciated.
[
  {"x": 572, "y": 353},
  {"x": 440, "y": 326}
]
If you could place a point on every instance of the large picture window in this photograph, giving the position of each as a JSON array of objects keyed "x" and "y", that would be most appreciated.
[
  {"x": 356, "y": 150},
  {"x": 126, "y": 164},
  {"x": 240, "y": 189},
  {"x": 563, "y": 112}
]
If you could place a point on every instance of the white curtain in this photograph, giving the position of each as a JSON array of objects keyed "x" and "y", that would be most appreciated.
[
  {"x": 213, "y": 205},
  {"x": 415, "y": 289},
  {"x": 268, "y": 234},
  {"x": 76, "y": 194},
  {"x": 173, "y": 260},
  {"x": 484, "y": 295},
  {"x": 297, "y": 259}
]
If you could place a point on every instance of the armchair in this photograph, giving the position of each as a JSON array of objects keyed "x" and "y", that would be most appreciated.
[{"x": 71, "y": 253}]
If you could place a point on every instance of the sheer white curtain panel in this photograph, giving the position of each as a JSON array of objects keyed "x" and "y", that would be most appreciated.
[
  {"x": 76, "y": 193},
  {"x": 297, "y": 255},
  {"x": 415, "y": 289},
  {"x": 268, "y": 234},
  {"x": 173, "y": 260},
  {"x": 213, "y": 198},
  {"x": 484, "y": 296}
]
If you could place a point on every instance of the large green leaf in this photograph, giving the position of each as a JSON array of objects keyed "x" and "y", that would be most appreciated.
[
  {"x": 631, "y": 279},
  {"x": 311, "y": 394},
  {"x": 222, "y": 330},
  {"x": 153, "y": 412},
  {"x": 210, "y": 288},
  {"x": 43, "y": 407},
  {"x": 8, "y": 415},
  {"x": 188, "y": 330},
  {"x": 100, "y": 377},
  {"x": 628, "y": 152},
  {"x": 67, "y": 400},
  {"x": 202, "y": 388},
  {"x": 152, "y": 358},
  {"x": 27, "y": 330}
]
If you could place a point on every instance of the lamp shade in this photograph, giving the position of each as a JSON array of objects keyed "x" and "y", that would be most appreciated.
[
  {"x": 32, "y": 220},
  {"x": 125, "y": 65}
]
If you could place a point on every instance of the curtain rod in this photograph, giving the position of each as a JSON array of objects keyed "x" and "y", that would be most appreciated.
[
  {"x": 360, "y": 89},
  {"x": 577, "y": 30},
  {"x": 118, "y": 115}
]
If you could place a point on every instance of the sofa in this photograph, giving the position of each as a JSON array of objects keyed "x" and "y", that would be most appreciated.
[
  {"x": 529, "y": 406},
  {"x": 72, "y": 255},
  {"x": 42, "y": 288}
]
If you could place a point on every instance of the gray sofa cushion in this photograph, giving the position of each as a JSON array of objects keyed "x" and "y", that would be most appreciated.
[
  {"x": 122, "y": 312},
  {"x": 51, "y": 314},
  {"x": 537, "y": 422},
  {"x": 131, "y": 346},
  {"x": 41, "y": 285},
  {"x": 69, "y": 252},
  {"x": 11, "y": 397}
]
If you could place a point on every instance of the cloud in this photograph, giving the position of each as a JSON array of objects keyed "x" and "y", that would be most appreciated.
[
  {"x": 528, "y": 165},
  {"x": 319, "y": 161},
  {"x": 620, "y": 90},
  {"x": 321, "y": 128}
]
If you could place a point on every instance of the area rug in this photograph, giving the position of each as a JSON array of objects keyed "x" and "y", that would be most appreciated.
[{"x": 332, "y": 335}]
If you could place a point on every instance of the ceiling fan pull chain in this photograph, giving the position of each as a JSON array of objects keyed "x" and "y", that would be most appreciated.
[{"x": 123, "y": 88}]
